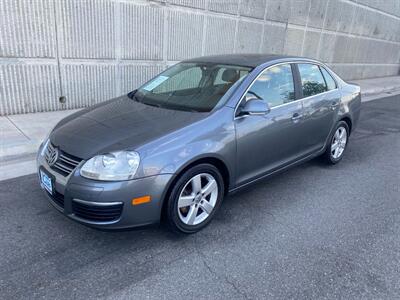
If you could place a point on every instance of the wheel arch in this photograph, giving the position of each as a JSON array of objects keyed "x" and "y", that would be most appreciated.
[
  {"x": 348, "y": 121},
  {"x": 217, "y": 162}
]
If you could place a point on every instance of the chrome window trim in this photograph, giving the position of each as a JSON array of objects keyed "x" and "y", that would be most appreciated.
[
  {"x": 330, "y": 74},
  {"x": 284, "y": 104}
]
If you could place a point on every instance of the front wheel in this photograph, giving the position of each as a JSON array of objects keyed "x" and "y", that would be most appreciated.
[
  {"x": 195, "y": 198},
  {"x": 337, "y": 144}
]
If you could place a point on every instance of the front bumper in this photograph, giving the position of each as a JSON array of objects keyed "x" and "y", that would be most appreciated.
[{"x": 106, "y": 205}]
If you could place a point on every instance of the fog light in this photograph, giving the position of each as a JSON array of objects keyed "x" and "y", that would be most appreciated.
[{"x": 141, "y": 200}]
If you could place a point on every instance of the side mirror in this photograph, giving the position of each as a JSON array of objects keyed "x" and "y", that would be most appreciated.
[{"x": 255, "y": 107}]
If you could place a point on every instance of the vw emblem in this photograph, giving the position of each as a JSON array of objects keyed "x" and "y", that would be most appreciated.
[{"x": 52, "y": 157}]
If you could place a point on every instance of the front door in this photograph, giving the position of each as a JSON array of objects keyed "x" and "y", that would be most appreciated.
[{"x": 268, "y": 142}]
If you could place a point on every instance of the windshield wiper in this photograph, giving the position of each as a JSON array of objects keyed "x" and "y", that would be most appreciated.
[
  {"x": 153, "y": 104},
  {"x": 132, "y": 94}
]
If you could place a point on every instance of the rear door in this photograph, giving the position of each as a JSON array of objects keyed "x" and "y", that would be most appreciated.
[{"x": 320, "y": 102}]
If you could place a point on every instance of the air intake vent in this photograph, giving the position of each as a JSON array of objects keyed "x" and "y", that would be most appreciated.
[{"x": 96, "y": 212}]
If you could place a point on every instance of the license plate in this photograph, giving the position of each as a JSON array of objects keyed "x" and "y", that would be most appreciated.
[{"x": 45, "y": 181}]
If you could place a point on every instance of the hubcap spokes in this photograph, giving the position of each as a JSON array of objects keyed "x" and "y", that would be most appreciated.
[
  {"x": 197, "y": 199},
  {"x": 339, "y": 142}
]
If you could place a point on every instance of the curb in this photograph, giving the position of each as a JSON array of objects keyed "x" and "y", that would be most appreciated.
[
  {"x": 369, "y": 96},
  {"x": 9, "y": 153}
]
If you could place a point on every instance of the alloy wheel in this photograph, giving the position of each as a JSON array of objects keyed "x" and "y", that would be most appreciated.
[
  {"x": 339, "y": 142},
  {"x": 197, "y": 199}
]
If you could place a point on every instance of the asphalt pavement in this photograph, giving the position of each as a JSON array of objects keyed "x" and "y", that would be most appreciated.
[{"x": 315, "y": 231}]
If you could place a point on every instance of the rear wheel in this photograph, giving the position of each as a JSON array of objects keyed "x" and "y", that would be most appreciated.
[
  {"x": 195, "y": 198},
  {"x": 337, "y": 144}
]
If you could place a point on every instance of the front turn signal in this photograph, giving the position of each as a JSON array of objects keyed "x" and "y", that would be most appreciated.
[{"x": 141, "y": 200}]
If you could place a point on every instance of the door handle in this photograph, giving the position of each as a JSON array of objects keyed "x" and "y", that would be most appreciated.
[
  {"x": 334, "y": 105},
  {"x": 296, "y": 117}
]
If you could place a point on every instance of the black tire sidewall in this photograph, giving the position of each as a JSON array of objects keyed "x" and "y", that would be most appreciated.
[
  {"x": 329, "y": 150},
  {"x": 172, "y": 208}
]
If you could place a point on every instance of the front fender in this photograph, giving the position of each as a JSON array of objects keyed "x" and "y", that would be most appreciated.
[{"x": 212, "y": 137}]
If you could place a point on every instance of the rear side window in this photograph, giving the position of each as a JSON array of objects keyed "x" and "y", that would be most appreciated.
[
  {"x": 330, "y": 82},
  {"x": 312, "y": 81},
  {"x": 275, "y": 85}
]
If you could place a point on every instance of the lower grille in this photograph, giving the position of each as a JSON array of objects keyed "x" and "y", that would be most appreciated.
[
  {"x": 57, "y": 198},
  {"x": 97, "y": 213}
]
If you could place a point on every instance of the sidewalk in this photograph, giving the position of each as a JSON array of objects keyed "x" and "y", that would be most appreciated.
[
  {"x": 21, "y": 135},
  {"x": 375, "y": 88}
]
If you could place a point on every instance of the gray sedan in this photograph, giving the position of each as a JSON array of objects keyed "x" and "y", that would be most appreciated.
[{"x": 203, "y": 128}]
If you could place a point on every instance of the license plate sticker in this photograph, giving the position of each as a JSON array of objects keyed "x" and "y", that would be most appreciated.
[{"x": 46, "y": 182}]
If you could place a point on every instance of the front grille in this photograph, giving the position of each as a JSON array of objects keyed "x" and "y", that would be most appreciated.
[
  {"x": 64, "y": 164},
  {"x": 97, "y": 213},
  {"x": 57, "y": 198}
]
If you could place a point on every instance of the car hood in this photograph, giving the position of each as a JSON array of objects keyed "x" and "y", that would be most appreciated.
[{"x": 117, "y": 124}]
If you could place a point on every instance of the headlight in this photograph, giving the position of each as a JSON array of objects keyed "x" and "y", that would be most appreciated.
[{"x": 121, "y": 165}]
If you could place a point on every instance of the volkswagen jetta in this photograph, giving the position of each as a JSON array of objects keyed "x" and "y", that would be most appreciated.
[{"x": 201, "y": 129}]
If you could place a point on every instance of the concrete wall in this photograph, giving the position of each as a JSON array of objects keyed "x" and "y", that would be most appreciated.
[{"x": 92, "y": 50}]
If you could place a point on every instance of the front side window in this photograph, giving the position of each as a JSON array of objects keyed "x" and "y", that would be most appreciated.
[
  {"x": 330, "y": 82},
  {"x": 275, "y": 85},
  {"x": 190, "y": 86},
  {"x": 312, "y": 81}
]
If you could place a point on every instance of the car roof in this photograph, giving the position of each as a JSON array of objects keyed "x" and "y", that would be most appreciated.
[{"x": 248, "y": 60}]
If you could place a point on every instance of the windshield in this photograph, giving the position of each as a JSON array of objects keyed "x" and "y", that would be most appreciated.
[{"x": 190, "y": 86}]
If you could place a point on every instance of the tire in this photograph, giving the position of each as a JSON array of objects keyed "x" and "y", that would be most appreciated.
[
  {"x": 191, "y": 206},
  {"x": 336, "y": 146}
]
